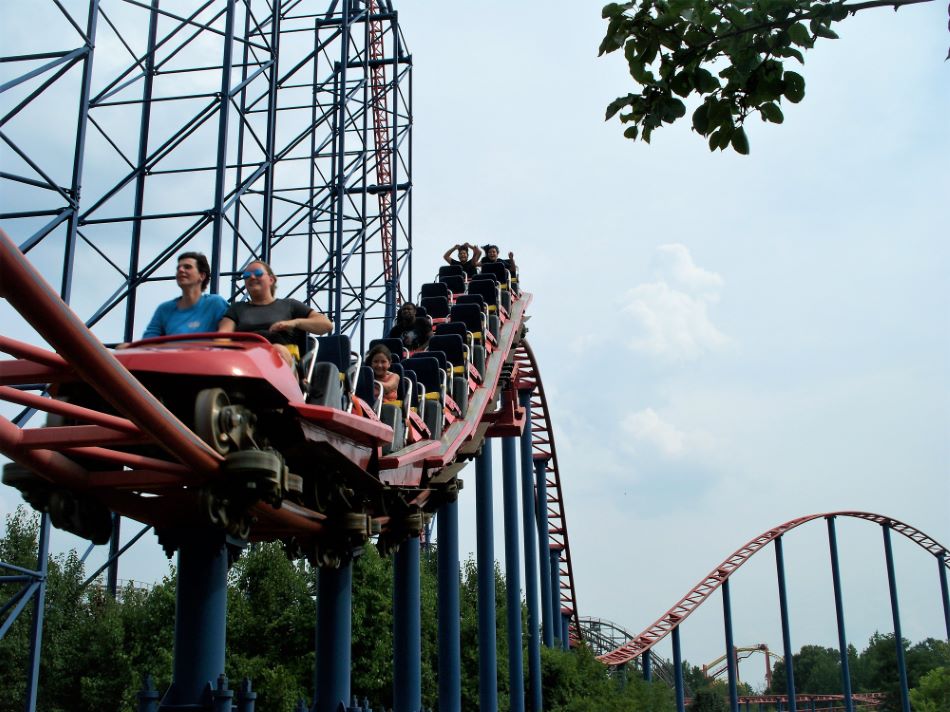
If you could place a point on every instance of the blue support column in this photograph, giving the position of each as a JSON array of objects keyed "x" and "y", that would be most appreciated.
[
  {"x": 646, "y": 662},
  {"x": 200, "y": 617},
  {"x": 554, "y": 559},
  {"x": 895, "y": 612},
  {"x": 485, "y": 532},
  {"x": 334, "y": 637},
  {"x": 944, "y": 592},
  {"x": 839, "y": 613},
  {"x": 786, "y": 634},
  {"x": 730, "y": 648},
  {"x": 678, "y": 671},
  {"x": 39, "y": 612},
  {"x": 450, "y": 656},
  {"x": 544, "y": 555},
  {"x": 407, "y": 628},
  {"x": 509, "y": 470},
  {"x": 529, "y": 524},
  {"x": 565, "y": 632}
]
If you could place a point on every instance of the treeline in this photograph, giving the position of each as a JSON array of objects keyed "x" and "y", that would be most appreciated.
[
  {"x": 95, "y": 649},
  {"x": 818, "y": 670}
]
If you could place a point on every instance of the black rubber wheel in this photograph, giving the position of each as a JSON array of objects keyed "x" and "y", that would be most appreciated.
[{"x": 208, "y": 406}]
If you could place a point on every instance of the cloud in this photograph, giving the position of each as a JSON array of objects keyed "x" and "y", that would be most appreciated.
[
  {"x": 647, "y": 426},
  {"x": 671, "y": 313},
  {"x": 675, "y": 263}
]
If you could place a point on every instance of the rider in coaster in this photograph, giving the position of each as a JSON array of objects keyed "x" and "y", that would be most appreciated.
[
  {"x": 413, "y": 330},
  {"x": 380, "y": 358},
  {"x": 491, "y": 255},
  {"x": 192, "y": 312},
  {"x": 275, "y": 319},
  {"x": 470, "y": 265}
]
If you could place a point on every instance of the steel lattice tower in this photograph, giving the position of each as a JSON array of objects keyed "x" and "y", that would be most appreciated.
[
  {"x": 280, "y": 130},
  {"x": 243, "y": 129}
]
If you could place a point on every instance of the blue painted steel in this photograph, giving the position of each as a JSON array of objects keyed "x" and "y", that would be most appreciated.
[
  {"x": 678, "y": 671},
  {"x": 246, "y": 697},
  {"x": 484, "y": 525},
  {"x": 544, "y": 553},
  {"x": 509, "y": 471},
  {"x": 529, "y": 524},
  {"x": 79, "y": 156},
  {"x": 112, "y": 578},
  {"x": 200, "y": 615},
  {"x": 646, "y": 663},
  {"x": 839, "y": 613},
  {"x": 221, "y": 696},
  {"x": 895, "y": 612},
  {"x": 221, "y": 164},
  {"x": 450, "y": 655},
  {"x": 730, "y": 648},
  {"x": 148, "y": 696},
  {"x": 944, "y": 592},
  {"x": 786, "y": 634},
  {"x": 334, "y": 637},
  {"x": 267, "y": 218},
  {"x": 554, "y": 563},
  {"x": 565, "y": 632},
  {"x": 135, "y": 241},
  {"x": 39, "y": 611},
  {"x": 407, "y": 628}
]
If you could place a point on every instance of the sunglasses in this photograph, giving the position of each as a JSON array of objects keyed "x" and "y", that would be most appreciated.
[{"x": 253, "y": 273}]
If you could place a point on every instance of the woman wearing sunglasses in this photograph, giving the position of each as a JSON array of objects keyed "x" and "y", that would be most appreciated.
[{"x": 277, "y": 320}]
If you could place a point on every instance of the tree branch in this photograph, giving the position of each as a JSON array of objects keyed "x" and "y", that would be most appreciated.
[{"x": 896, "y": 4}]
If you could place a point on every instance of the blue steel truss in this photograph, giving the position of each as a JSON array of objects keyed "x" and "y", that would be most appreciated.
[{"x": 131, "y": 131}]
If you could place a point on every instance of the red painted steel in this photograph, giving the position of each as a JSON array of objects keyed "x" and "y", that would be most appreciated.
[
  {"x": 384, "y": 152},
  {"x": 702, "y": 590},
  {"x": 543, "y": 448},
  {"x": 29, "y": 294}
]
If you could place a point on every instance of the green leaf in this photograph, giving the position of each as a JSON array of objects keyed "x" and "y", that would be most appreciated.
[
  {"x": 772, "y": 112},
  {"x": 616, "y": 105},
  {"x": 823, "y": 31},
  {"x": 704, "y": 81},
  {"x": 799, "y": 35},
  {"x": 701, "y": 119},
  {"x": 720, "y": 139},
  {"x": 682, "y": 84},
  {"x": 794, "y": 87},
  {"x": 839, "y": 11},
  {"x": 630, "y": 132},
  {"x": 739, "y": 141},
  {"x": 611, "y": 10}
]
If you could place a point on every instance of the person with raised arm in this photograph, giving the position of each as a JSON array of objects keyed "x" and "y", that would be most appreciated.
[{"x": 469, "y": 264}]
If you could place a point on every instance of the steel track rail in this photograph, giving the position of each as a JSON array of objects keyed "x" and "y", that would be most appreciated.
[
  {"x": 712, "y": 581},
  {"x": 543, "y": 448}
]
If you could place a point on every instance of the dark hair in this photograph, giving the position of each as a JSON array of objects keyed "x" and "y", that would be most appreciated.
[
  {"x": 202, "y": 263},
  {"x": 489, "y": 246},
  {"x": 379, "y": 349}
]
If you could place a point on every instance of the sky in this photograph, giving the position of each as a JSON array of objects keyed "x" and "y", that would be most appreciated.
[{"x": 727, "y": 342}]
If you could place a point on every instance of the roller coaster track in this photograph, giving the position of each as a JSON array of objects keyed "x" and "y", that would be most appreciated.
[
  {"x": 544, "y": 450},
  {"x": 702, "y": 590}
]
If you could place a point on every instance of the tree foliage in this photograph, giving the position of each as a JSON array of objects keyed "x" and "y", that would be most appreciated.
[{"x": 730, "y": 55}]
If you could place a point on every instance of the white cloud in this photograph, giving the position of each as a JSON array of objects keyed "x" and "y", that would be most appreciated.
[
  {"x": 674, "y": 263},
  {"x": 672, "y": 324},
  {"x": 647, "y": 426}
]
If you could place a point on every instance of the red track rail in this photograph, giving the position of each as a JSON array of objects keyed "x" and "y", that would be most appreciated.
[
  {"x": 702, "y": 590},
  {"x": 543, "y": 448},
  {"x": 380, "y": 103}
]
